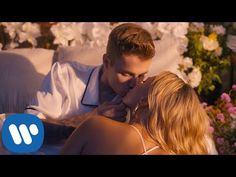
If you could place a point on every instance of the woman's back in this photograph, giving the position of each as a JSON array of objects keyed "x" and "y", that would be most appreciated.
[{"x": 104, "y": 136}]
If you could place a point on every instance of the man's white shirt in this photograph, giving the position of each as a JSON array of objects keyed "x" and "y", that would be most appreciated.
[{"x": 68, "y": 90}]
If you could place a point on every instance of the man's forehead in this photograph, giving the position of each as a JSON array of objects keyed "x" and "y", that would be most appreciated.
[{"x": 133, "y": 65}]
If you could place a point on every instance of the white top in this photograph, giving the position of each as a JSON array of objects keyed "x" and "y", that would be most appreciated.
[
  {"x": 69, "y": 89},
  {"x": 142, "y": 140}
]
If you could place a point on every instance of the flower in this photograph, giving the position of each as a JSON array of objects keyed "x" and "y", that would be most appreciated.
[
  {"x": 210, "y": 43},
  {"x": 232, "y": 112},
  {"x": 225, "y": 97},
  {"x": 218, "y": 29},
  {"x": 29, "y": 33},
  {"x": 12, "y": 28},
  {"x": 0, "y": 46},
  {"x": 211, "y": 129},
  {"x": 220, "y": 141},
  {"x": 151, "y": 28},
  {"x": 98, "y": 32},
  {"x": 182, "y": 45},
  {"x": 63, "y": 33},
  {"x": 196, "y": 27},
  {"x": 234, "y": 87},
  {"x": 221, "y": 117},
  {"x": 192, "y": 75},
  {"x": 12, "y": 45},
  {"x": 228, "y": 105},
  {"x": 209, "y": 55},
  {"x": 186, "y": 63},
  {"x": 195, "y": 77},
  {"x": 223, "y": 122},
  {"x": 178, "y": 29},
  {"x": 20, "y": 32}
]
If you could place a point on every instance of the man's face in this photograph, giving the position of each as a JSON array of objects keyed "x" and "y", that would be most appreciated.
[{"x": 126, "y": 72}]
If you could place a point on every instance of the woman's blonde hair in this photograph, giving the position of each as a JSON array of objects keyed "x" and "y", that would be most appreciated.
[{"x": 177, "y": 120}]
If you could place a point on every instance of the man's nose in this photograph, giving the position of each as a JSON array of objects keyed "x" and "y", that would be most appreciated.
[{"x": 133, "y": 82}]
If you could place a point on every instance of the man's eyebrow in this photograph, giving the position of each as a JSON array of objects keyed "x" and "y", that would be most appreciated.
[{"x": 128, "y": 72}]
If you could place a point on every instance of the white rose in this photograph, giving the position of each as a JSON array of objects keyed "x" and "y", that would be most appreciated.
[
  {"x": 164, "y": 27},
  {"x": 32, "y": 28},
  {"x": 63, "y": 33},
  {"x": 29, "y": 32},
  {"x": 196, "y": 26},
  {"x": 78, "y": 34},
  {"x": 182, "y": 45},
  {"x": 12, "y": 28},
  {"x": 100, "y": 33},
  {"x": 195, "y": 77},
  {"x": 187, "y": 62},
  {"x": 12, "y": 45},
  {"x": 150, "y": 27},
  {"x": 96, "y": 34},
  {"x": 218, "y": 29},
  {"x": 180, "y": 29},
  {"x": 209, "y": 44}
]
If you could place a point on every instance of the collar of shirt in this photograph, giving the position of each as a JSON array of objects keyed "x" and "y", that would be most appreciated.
[{"x": 91, "y": 93}]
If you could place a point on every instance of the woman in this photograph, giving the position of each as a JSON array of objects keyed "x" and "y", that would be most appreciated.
[{"x": 167, "y": 118}]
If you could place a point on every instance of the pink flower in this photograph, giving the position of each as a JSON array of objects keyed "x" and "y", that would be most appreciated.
[
  {"x": 221, "y": 117},
  {"x": 229, "y": 105},
  {"x": 232, "y": 110},
  {"x": 221, "y": 150},
  {"x": 233, "y": 116},
  {"x": 234, "y": 87},
  {"x": 234, "y": 145},
  {"x": 220, "y": 140},
  {"x": 204, "y": 104},
  {"x": 211, "y": 129},
  {"x": 225, "y": 97}
]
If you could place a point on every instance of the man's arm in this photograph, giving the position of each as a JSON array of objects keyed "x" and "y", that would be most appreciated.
[
  {"x": 112, "y": 110},
  {"x": 59, "y": 130}
]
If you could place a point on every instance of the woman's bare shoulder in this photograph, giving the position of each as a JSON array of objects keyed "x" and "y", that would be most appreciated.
[{"x": 103, "y": 124}]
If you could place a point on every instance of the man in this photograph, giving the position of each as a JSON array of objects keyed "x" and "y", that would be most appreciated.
[{"x": 73, "y": 92}]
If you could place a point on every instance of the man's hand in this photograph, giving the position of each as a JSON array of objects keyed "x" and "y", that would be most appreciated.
[{"x": 115, "y": 109}]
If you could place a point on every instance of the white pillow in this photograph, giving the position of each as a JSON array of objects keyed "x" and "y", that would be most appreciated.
[
  {"x": 21, "y": 74},
  {"x": 85, "y": 55},
  {"x": 41, "y": 59}
]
